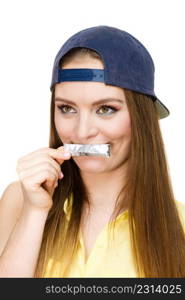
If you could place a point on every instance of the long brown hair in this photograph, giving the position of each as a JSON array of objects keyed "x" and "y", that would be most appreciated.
[{"x": 157, "y": 235}]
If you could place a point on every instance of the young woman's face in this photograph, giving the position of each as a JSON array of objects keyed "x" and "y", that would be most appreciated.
[{"x": 80, "y": 120}]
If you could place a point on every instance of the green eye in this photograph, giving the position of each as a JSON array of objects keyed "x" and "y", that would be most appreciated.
[
  {"x": 107, "y": 110},
  {"x": 64, "y": 108}
]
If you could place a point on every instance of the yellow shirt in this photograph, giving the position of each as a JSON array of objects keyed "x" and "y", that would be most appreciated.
[{"x": 114, "y": 261}]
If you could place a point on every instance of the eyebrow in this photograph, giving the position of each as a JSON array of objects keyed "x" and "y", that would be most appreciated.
[{"x": 95, "y": 103}]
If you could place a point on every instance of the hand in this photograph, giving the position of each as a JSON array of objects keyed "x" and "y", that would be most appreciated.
[{"x": 39, "y": 172}]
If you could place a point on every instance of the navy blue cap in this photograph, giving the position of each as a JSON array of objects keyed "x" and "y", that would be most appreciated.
[{"x": 127, "y": 63}]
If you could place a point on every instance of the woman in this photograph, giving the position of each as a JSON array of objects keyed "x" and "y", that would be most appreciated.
[{"x": 102, "y": 217}]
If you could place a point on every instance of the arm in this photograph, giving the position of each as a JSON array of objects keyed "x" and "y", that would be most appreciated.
[
  {"x": 29, "y": 202},
  {"x": 21, "y": 230},
  {"x": 20, "y": 254}
]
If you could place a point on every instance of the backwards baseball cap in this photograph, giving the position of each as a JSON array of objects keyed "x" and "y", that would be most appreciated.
[{"x": 127, "y": 63}]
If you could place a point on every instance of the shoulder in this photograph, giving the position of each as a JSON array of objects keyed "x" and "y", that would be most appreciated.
[
  {"x": 11, "y": 203},
  {"x": 15, "y": 185},
  {"x": 12, "y": 192}
]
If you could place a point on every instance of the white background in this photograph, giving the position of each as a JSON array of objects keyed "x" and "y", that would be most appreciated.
[{"x": 31, "y": 34}]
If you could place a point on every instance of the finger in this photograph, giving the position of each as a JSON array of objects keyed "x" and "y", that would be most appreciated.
[
  {"x": 35, "y": 180},
  {"x": 37, "y": 161},
  {"x": 51, "y": 189},
  {"x": 56, "y": 154},
  {"x": 50, "y": 151},
  {"x": 41, "y": 150},
  {"x": 48, "y": 187},
  {"x": 34, "y": 171}
]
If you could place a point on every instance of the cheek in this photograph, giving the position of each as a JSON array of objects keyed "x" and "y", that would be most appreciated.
[
  {"x": 119, "y": 128},
  {"x": 62, "y": 127}
]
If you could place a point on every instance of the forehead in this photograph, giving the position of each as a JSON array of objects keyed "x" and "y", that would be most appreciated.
[{"x": 85, "y": 89}]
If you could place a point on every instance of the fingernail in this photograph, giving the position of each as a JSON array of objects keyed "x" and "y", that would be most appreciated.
[
  {"x": 66, "y": 154},
  {"x": 61, "y": 175}
]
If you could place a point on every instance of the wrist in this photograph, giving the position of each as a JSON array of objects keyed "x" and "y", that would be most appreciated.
[{"x": 29, "y": 208}]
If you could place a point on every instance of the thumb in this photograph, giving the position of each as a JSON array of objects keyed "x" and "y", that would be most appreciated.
[{"x": 61, "y": 148}]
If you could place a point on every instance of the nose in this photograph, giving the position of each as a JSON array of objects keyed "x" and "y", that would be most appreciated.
[{"x": 86, "y": 128}]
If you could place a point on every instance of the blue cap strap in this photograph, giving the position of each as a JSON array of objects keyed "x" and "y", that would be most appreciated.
[{"x": 80, "y": 75}]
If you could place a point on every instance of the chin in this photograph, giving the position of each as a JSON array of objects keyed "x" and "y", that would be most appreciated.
[{"x": 92, "y": 164}]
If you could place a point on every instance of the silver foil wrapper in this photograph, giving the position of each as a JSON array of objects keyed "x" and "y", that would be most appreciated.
[{"x": 88, "y": 149}]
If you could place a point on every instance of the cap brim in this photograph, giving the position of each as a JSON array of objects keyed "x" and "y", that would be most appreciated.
[{"x": 162, "y": 109}]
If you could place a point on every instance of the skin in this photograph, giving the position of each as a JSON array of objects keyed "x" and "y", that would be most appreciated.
[{"x": 87, "y": 124}]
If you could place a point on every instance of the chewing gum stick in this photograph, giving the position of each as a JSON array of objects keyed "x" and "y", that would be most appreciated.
[{"x": 88, "y": 149}]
